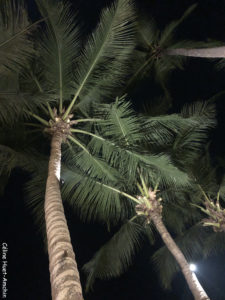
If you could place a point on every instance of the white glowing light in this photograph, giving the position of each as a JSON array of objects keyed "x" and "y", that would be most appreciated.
[{"x": 192, "y": 267}]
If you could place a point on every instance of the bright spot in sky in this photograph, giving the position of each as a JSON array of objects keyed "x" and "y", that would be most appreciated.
[{"x": 192, "y": 267}]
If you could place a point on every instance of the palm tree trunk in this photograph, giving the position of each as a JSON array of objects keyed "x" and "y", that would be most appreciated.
[
  {"x": 192, "y": 281},
  {"x": 215, "y": 52},
  {"x": 64, "y": 275}
]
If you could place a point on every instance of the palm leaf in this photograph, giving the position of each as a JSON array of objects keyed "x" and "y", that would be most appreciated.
[
  {"x": 167, "y": 35},
  {"x": 115, "y": 256},
  {"x": 121, "y": 123},
  {"x": 59, "y": 47},
  {"x": 90, "y": 164},
  {"x": 107, "y": 44},
  {"x": 93, "y": 199},
  {"x": 15, "y": 45},
  {"x": 190, "y": 141}
]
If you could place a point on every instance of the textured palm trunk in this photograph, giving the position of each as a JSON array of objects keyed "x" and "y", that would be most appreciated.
[
  {"x": 215, "y": 52},
  {"x": 192, "y": 281},
  {"x": 64, "y": 275}
]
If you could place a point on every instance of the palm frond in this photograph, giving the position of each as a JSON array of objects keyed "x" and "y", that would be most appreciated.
[
  {"x": 15, "y": 45},
  {"x": 167, "y": 35},
  {"x": 191, "y": 140},
  {"x": 112, "y": 41},
  {"x": 79, "y": 156},
  {"x": 121, "y": 122},
  {"x": 161, "y": 130},
  {"x": 161, "y": 168},
  {"x": 59, "y": 47},
  {"x": 124, "y": 139},
  {"x": 93, "y": 199},
  {"x": 148, "y": 31},
  {"x": 115, "y": 256},
  {"x": 201, "y": 109}
]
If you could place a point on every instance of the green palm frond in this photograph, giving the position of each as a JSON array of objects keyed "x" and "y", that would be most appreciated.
[
  {"x": 111, "y": 42},
  {"x": 93, "y": 199},
  {"x": 160, "y": 167},
  {"x": 167, "y": 35},
  {"x": 115, "y": 256},
  {"x": 14, "y": 106},
  {"x": 90, "y": 164},
  {"x": 201, "y": 109},
  {"x": 191, "y": 141},
  {"x": 15, "y": 99},
  {"x": 59, "y": 47},
  {"x": 121, "y": 123},
  {"x": 161, "y": 130},
  {"x": 125, "y": 136},
  {"x": 15, "y": 45},
  {"x": 191, "y": 244}
]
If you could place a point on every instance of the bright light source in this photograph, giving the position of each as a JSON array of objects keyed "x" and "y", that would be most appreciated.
[{"x": 192, "y": 267}]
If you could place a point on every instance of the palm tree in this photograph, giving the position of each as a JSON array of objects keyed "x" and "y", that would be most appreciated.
[
  {"x": 183, "y": 142},
  {"x": 149, "y": 207},
  {"x": 158, "y": 54},
  {"x": 56, "y": 70}
]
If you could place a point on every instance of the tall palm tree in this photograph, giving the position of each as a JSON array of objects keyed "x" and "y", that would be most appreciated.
[{"x": 56, "y": 70}]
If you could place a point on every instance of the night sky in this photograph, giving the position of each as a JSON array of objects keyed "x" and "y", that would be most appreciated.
[{"x": 28, "y": 276}]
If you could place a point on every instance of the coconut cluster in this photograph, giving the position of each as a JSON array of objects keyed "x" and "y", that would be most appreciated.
[
  {"x": 60, "y": 125},
  {"x": 149, "y": 205},
  {"x": 216, "y": 216}
]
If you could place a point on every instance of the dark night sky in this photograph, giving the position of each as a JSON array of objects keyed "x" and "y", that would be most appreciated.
[{"x": 28, "y": 276}]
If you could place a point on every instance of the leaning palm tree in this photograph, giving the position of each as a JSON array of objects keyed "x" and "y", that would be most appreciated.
[
  {"x": 164, "y": 134},
  {"x": 57, "y": 72},
  {"x": 150, "y": 207}
]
